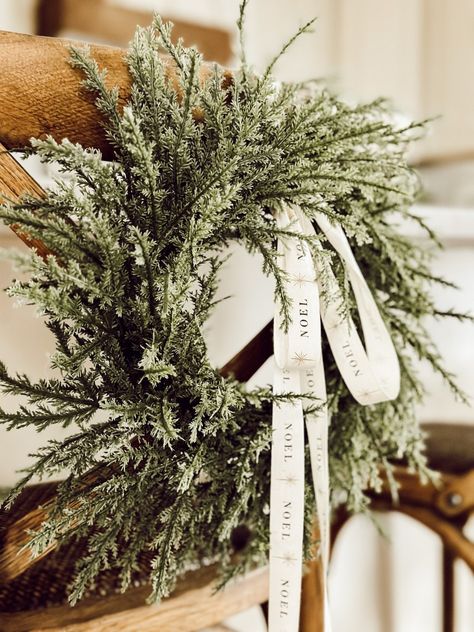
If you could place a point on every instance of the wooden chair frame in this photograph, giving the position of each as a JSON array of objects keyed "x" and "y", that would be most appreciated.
[{"x": 115, "y": 24}]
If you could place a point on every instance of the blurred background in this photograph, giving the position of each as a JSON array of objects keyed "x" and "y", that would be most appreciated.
[{"x": 418, "y": 53}]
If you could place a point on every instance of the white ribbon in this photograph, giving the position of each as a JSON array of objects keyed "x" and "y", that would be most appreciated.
[{"x": 371, "y": 374}]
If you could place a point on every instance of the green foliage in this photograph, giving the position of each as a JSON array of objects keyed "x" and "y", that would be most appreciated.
[{"x": 181, "y": 455}]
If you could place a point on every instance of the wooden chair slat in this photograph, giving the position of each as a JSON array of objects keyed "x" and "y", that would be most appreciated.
[
  {"x": 15, "y": 182},
  {"x": 193, "y": 605},
  {"x": 116, "y": 24},
  {"x": 40, "y": 92},
  {"x": 251, "y": 357}
]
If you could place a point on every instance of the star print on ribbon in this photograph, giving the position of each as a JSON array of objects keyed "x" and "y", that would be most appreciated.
[{"x": 371, "y": 373}]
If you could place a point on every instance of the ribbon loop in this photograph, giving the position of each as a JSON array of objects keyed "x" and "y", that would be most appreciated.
[
  {"x": 371, "y": 373},
  {"x": 301, "y": 346}
]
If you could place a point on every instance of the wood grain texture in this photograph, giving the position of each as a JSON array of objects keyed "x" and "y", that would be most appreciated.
[
  {"x": 15, "y": 182},
  {"x": 450, "y": 533},
  {"x": 251, "y": 357},
  {"x": 312, "y": 596},
  {"x": 103, "y": 21},
  {"x": 30, "y": 508},
  {"x": 40, "y": 93},
  {"x": 192, "y": 606}
]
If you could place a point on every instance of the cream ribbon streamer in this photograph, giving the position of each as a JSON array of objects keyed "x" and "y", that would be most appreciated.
[{"x": 371, "y": 374}]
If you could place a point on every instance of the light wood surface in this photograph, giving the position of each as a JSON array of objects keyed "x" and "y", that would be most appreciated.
[
  {"x": 40, "y": 92},
  {"x": 104, "y": 21},
  {"x": 311, "y": 613},
  {"x": 15, "y": 182},
  {"x": 219, "y": 628},
  {"x": 192, "y": 606}
]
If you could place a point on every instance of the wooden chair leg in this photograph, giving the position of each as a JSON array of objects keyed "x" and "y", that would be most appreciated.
[
  {"x": 311, "y": 615},
  {"x": 264, "y": 609},
  {"x": 448, "y": 590}
]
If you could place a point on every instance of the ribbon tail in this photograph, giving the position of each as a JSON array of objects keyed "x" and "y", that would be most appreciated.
[
  {"x": 317, "y": 425},
  {"x": 286, "y": 505}
]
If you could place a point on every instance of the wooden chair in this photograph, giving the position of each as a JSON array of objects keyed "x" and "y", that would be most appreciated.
[{"x": 444, "y": 508}]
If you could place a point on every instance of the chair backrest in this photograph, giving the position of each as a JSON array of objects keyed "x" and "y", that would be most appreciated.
[
  {"x": 444, "y": 506},
  {"x": 40, "y": 94},
  {"x": 39, "y": 91},
  {"x": 99, "y": 20}
]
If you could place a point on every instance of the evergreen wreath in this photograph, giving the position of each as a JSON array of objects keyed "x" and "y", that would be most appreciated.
[{"x": 181, "y": 454}]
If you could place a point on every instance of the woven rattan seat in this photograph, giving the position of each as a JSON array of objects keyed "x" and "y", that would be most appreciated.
[{"x": 45, "y": 583}]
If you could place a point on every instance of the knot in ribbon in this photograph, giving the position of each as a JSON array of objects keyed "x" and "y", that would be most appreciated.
[{"x": 371, "y": 374}]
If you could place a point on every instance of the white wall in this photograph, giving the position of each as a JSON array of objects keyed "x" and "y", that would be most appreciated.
[{"x": 17, "y": 15}]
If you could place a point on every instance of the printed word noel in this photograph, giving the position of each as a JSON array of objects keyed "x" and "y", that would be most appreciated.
[{"x": 352, "y": 359}]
